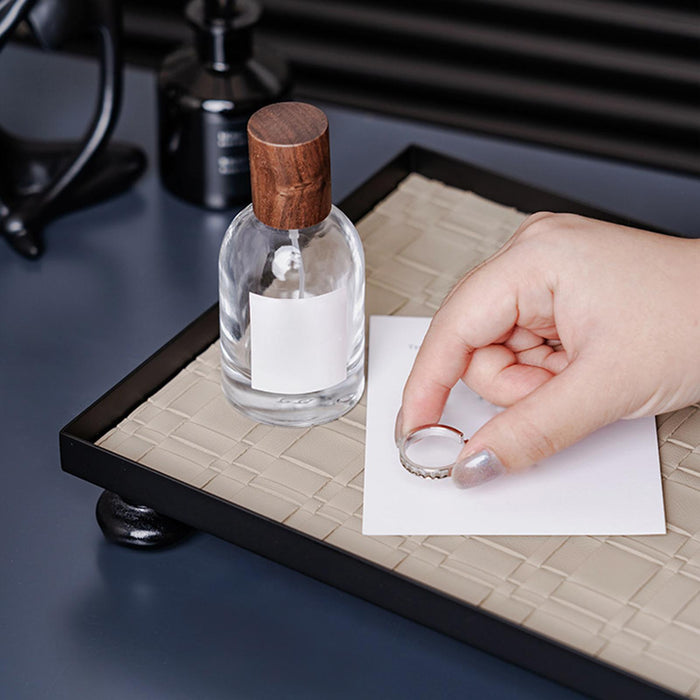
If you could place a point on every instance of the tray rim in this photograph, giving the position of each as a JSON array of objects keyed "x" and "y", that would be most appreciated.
[{"x": 482, "y": 629}]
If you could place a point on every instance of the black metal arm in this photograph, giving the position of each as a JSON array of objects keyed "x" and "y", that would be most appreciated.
[{"x": 41, "y": 181}]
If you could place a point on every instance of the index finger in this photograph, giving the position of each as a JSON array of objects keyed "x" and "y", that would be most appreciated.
[{"x": 482, "y": 310}]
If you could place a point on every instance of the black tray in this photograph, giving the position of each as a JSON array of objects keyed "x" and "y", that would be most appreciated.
[{"x": 137, "y": 483}]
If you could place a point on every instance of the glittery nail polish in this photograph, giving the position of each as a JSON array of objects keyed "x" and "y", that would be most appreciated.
[{"x": 477, "y": 469}]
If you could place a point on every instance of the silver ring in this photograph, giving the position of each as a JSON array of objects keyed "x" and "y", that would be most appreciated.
[{"x": 418, "y": 434}]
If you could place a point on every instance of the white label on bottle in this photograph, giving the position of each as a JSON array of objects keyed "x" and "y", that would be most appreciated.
[{"x": 298, "y": 345}]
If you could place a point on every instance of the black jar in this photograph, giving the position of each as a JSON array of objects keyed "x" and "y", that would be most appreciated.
[{"x": 206, "y": 93}]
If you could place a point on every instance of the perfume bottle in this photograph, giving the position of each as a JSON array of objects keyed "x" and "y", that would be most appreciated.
[
  {"x": 291, "y": 280},
  {"x": 206, "y": 93}
]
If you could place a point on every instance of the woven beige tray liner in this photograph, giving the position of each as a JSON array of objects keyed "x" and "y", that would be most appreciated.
[{"x": 631, "y": 601}]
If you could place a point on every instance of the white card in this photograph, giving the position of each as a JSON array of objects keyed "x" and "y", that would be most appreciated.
[{"x": 607, "y": 484}]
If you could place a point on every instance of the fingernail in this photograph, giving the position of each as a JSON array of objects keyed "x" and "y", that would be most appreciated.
[
  {"x": 477, "y": 469},
  {"x": 398, "y": 428}
]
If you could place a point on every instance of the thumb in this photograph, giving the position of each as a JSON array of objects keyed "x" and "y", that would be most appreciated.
[{"x": 557, "y": 414}]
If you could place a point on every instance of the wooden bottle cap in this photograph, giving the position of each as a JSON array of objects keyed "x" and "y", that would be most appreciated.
[{"x": 290, "y": 166}]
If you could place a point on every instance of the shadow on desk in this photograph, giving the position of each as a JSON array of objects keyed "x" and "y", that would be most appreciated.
[{"x": 137, "y": 622}]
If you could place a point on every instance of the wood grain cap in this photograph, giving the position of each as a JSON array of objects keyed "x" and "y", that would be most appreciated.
[{"x": 290, "y": 166}]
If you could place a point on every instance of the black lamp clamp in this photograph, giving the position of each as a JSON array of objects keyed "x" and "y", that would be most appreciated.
[{"x": 41, "y": 180}]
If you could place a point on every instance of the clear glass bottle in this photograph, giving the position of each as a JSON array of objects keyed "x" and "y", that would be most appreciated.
[{"x": 291, "y": 281}]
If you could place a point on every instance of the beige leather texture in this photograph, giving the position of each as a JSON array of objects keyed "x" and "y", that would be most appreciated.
[{"x": 631, "y": 601}]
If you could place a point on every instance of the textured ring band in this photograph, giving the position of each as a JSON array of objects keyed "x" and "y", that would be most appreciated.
[{"x": 418, "y": 434}]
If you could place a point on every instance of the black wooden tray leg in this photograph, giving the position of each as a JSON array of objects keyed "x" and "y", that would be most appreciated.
[{"x": 138, "y": 526}]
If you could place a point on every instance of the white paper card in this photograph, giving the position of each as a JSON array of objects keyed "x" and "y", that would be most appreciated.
[
  {"x": 607, "y": 484},
  {"x": 298, "y": 345}
]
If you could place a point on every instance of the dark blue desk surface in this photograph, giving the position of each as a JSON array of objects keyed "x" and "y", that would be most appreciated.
[{"x": 81, "y": 618}]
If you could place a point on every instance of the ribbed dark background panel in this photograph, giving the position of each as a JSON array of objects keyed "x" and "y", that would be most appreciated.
[{"x": 610, "y": 77}]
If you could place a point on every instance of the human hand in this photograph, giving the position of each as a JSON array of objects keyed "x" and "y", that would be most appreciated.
[{"x": 572, "y": 324}]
